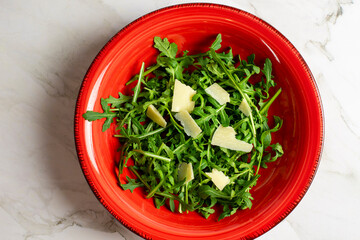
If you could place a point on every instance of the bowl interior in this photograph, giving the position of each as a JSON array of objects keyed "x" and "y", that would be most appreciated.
[{"x": 194, "y": 27}]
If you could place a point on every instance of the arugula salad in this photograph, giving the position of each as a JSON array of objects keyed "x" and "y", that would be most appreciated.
[{"x": 196, "y": 128}]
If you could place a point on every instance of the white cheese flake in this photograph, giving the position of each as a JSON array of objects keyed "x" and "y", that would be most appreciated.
[
  {"x": 218, "y": 178},
  {"x": 155, "y": 115},
  {"x": 244, "y": 107},
  {"x": 190, "y": 126},
  {"x": 182, "y": 98},
  {"x": 218, "y": 93},
  {"x": 225, "y": 137},
  {"x": 185, "y": 171}
]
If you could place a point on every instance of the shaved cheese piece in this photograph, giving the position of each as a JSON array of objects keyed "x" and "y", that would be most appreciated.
[
  {"x": 225, "y": 137},
  {"x": 182, "y": 98},
  {"x": 190, "y": 126},
  {"x": 186, "y": 172},
  {"x": 218, "y": 93},
  {"x": 218, "y": 178},
  {"x": 155, "y": 115},
  {"x": 245, "y": 108}
]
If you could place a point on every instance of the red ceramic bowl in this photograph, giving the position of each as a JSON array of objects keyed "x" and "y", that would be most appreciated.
[{"x": 193, "y": 27}]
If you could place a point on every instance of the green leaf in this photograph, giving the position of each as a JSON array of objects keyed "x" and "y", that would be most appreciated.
[
  {"x": 278, "y": 151},
  {"x": 246, "y": 197},
  {"x": 137, "y": 87},
  {"x": 214, "y": 68},
  {"x": 165, "y": 47},
  {"x": 206, "y": 211},
  {"x": 216, "y": 45},
  {"x": 107, "y": 123},
  {"x": 117, "y": 102},
  {"x": 227, "y": 212},
  {"x": 227, "y": 57},
  {"x": 278, "y": 123},
  {"x": 92, "y": 116},
  {"x": 267, "y": 69},
  {"x": 267, "y": 72},
  {"x": 206, "y": 191},
  {"x": 251, "y": 58},
  {"x": 256, "y": 69},
  {"x": 203, "y": 61},
  {"x": 172, "y": 204},
  {"x": 159, "y": 202},
  {"x": 266, "y": 139},
  {"x": 265, "y": 106},
  {"x": 131, "y": 185}
]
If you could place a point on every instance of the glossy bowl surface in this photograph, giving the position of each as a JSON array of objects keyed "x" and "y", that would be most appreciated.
[{"x": 193, "y": 27}]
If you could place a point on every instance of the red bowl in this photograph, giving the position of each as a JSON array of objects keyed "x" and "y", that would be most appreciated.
[{"x": 193, "y": 27}]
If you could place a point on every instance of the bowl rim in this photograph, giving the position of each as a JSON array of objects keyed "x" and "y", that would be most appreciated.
[{"x": 80, "y": 149}]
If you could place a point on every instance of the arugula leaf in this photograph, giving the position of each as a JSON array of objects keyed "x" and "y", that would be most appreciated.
[
  {"x": 265, "y": 106},
  {"x": 227, "y": 211},
  {"x": 165, "y": 47},
  {"x": 206, "y": 211},
  {"x": 108, "y": 114},
  {"x": 92, "y": 116},
  {"x": 172, "y": 205},
  {"x": 278, "y": 151},
  {"x": 267, "y": 72},
  {"x": 131, "y": 185},
  {"x": 214, "y": 68},
  {"x": 117, "y": 102},
  {"x": 137, "y": 87},
  {"x": 216, "y": 45},
  {"x": 227, "y": 57},
  {"x": 206, "y": 191}
]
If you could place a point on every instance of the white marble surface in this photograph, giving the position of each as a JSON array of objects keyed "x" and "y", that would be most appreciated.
[{"x": 45, "y": 50}]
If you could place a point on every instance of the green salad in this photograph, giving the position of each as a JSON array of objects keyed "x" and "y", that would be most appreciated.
[{"x": 196, "y": 128}]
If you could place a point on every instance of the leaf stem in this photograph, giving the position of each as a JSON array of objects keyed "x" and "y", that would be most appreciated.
[
  {"x": 151, "y": 69},
  {"x": 137, "y": 87},
  {"x": 153, "y": 155},
  {"x": 268, "y": 103},
  {"x": 173, "y": 120},
  {"x": 141, "y": 136},
  {"x": 139, "y": 177},
  {"x": 233, "y": 178},
  {"x": 153, "y": 191},
  {"x": 145, "y": 135}
]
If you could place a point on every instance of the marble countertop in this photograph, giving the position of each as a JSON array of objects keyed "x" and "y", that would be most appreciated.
[{"x": 45, "y": 50}]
